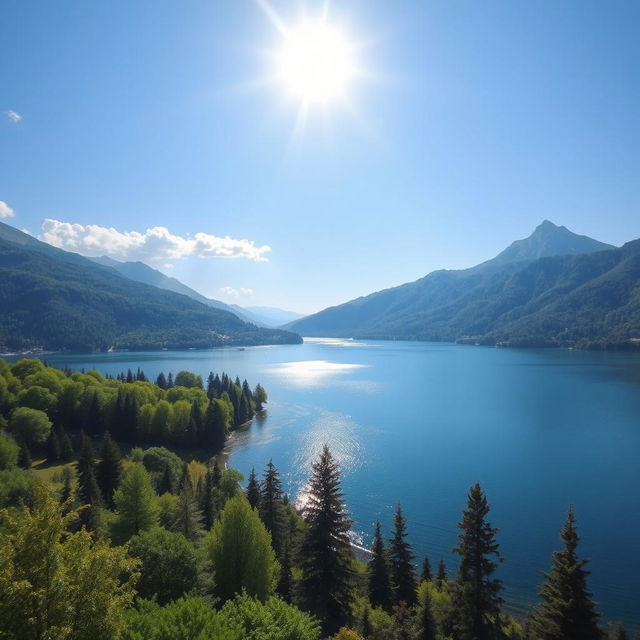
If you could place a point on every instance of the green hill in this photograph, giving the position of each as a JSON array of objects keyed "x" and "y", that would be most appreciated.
[
  {"x": 587, "y": 300},
  {"x": 56, "y": 300}
]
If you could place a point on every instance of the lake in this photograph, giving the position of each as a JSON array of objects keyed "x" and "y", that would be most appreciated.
[{"x": 419, "y": 423}]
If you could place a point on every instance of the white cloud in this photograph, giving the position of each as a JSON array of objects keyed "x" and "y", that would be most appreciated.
[
  {"x": 13, "y": 116},
  {"x": 6, "y": 211},
  {"x": 156, "y": 243},
  {"x": 236, "y": 293}
]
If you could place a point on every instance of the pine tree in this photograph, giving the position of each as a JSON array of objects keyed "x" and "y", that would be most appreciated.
[
  {"x": 476, "y": 596},
  {"x": 567, "y": 610},
  {"x": 161, "y": 381},
  {"x": 166, "y": 481},
  {"x": 379, "y": 574},
  {"x": 211, "y": 387},
  {"x": 109, "y": 471},
  {"x": 136, "y": 504},
  {"x": 441, "y": 579},
  {"x": 24, "y": 456},
  {"x": 367, "y": 628},
  {"x": 425, "y": 624},
  {"x": 170, "y": 384},
  {"x": 253, "y": 490},
  {"x": 95, "y": 417},
  {"x": 402, "y": 569},
  {"x": 260, "y": 397},
  {"x": 285, "y": 582},
  {"x": 66, "y": 448},
  {"x": 426, "y": 574},
  {"x": 188, "y": 520},
  {"x": 67, "y": 484},
  {"x": 326, "y": 556},
  {"x": 88, "y": 490},
  {"x": 403, "y": 622},
  {"x": 53, "y": 447},
  {"x": 271, "y": 509},
  {"x": 215, "y": 430}
]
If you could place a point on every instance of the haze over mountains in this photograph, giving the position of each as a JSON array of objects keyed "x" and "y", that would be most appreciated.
[
  {"x": 554, "y": 288},
  {"x": 54, "y": 299}
]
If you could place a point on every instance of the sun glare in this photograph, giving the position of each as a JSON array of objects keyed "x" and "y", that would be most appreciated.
[{"x": 316, "y": 62}]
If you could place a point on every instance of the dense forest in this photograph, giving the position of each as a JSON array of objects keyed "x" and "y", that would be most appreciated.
[
  {"x": 161, "y": 543},
  {"x": 56, "y": 300}
]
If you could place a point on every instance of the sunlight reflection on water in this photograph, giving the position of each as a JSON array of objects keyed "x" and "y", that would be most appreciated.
[{"x": 313, "y": 373}]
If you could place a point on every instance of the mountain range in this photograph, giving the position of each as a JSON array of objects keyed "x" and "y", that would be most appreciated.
[
  {"x": 139, "y": 271},
  {"x": 57, "y": 300},
  {"x": 554, "y": 288}
]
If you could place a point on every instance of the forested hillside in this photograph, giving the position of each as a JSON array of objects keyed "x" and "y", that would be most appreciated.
[
  {"x": 585, "y": 300},
  {"x": 57, "y": 300}
]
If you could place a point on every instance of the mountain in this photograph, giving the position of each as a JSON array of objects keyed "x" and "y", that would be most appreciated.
[
  {"x": 58, "y": 300},
  {"x": 267, "y": 316},
  {"x": 547, "y": 240},
  {"x": 586, "y": 300},
  {"x": 140, "y": 272}
]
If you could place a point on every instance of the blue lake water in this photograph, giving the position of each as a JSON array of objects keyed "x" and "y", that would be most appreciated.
[{"x": 419, "y": 423}]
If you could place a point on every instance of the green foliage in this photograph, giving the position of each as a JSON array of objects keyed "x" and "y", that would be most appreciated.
[
  {"x": 30, "y": 426},
  {"x": 271, "y": 507},
  {"x": 253, "y": 490},
  {"x": 169, "y": 566},
  {"x": 188, "y": 379},
  {"x": 187, "y": 514},
  {"x": 379, "y": 573},
  {"x": 240, "y": 551},
  {"x": 401, "y": 556},
  {"x": 8, "y": 452},
  {"x": 56, "y": 584},
  {"x": 476, "y": 593},
  {"x": 16, "y": 487},
  {"x": 272, "y": 620},
  {"x": 109, "y": 471},
  {"x": 567, "y": 611},
  {"x": 188, "y": 618},
  {"x": 136, "y": 504},
  {"x": 326, "y": 558}
]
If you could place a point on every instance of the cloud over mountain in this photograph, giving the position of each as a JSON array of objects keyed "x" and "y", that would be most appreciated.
[
  {"x": 5, "y": 210},
  {"x": 156, "y": 243}
]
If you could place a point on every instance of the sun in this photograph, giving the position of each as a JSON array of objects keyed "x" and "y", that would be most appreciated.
[{"x": 316, "y": 62}]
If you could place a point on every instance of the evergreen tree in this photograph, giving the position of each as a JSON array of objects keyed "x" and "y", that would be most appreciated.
[
  {"x": 215, "y": 430},
  {"x": 567, "y": 611},
  {"x": 426, "y": 574},
  {"x": 285, "y": 582},
  {"x": 53, "y": 447},
  {"x": 403, "y": 622},
  {"x": 188, "y": 519},
  {"x": 476, "y": 596},
  {"x": 67, "y": 484},
  {"x": 211, "y": 387},
  {"x": 88, "y": 491},
  {"x": 207, "y": 501},
  {"x": 95, "y": 417},
  {"x": 136, "y": 504},
  {"x": 170, "y": 384},
  {"x": 166, "y": 481},
  {"x": 239, "y": 548},
  {"x": 367, "y": 628},
  {"x": 260, "y": 397},
  {"x": 24, "y": 456},
  {"x": 379, "y": 574},
  {"x": 271, "y": 508},
  {"x": 253, "y": 490},
  {"x": 425, "y": 624},
  {"x": 402, "y": 569},
  {"x": 441, "y": 579},
  {"x": 66, "y": 448},
  {"x": 161, "y": 381},
  {"x": 109, "y": 471},
  {"x": 326, "y": 557}
]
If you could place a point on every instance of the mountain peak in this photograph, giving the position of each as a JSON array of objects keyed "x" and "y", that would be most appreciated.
[{"x": 548, "y": 239}]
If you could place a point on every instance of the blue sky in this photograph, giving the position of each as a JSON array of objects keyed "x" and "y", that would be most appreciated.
[{"x": 475, "y": 121}]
